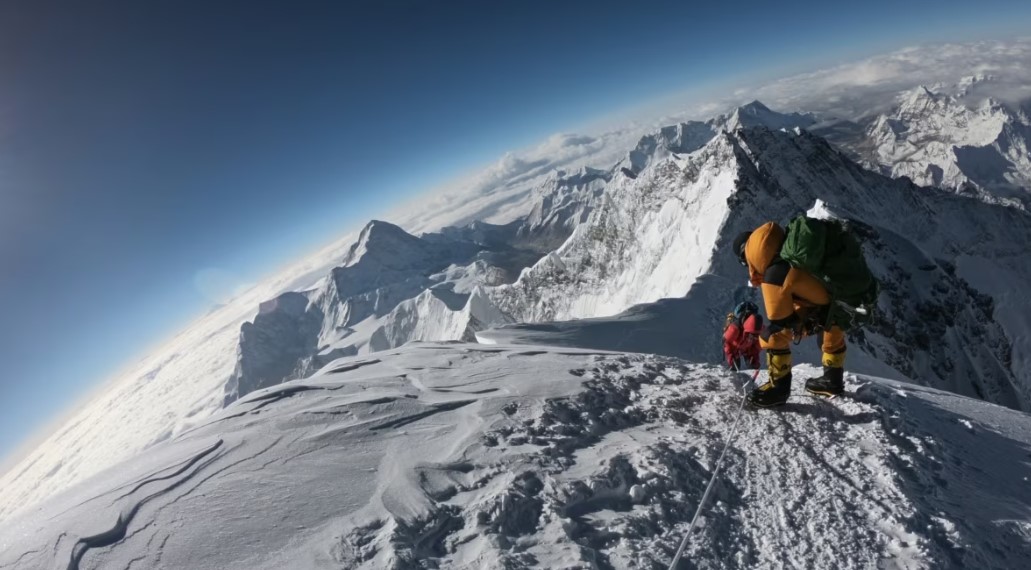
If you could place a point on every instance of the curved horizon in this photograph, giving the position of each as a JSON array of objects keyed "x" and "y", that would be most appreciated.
[{"x": 30, "y": 421}]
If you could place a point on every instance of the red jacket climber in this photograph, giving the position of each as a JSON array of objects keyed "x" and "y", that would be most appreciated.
[{"x": 741, "y": 336}]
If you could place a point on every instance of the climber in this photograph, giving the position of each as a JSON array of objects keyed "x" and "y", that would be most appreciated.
[
  {"x": 741, "y": 336},
  {"x": 797, "y": 305}
]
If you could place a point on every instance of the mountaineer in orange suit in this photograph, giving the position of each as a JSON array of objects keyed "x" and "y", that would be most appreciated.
[{"x": 796, "y": 302}]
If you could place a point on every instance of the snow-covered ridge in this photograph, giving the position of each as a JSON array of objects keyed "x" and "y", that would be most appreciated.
[
  {"x": 654, "y": 224},
  {"x": 392, "y": 287},
  {"x": 949, "y": 136},
  {"x": 645, "y": 226},
  {"x": 656, "y": 234},
  {"x": 462, "y": 456}
]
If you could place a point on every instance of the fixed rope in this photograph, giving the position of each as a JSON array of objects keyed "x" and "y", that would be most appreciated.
[{"x": 715, "y": 474}]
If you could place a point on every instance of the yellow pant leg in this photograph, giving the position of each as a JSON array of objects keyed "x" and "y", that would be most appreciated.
[
  {"x": 780, "y": 340},
  {"x": 778, "y": 353},
  {"x": 778, "y": 363},
  {"x": 834, "y": 348}
]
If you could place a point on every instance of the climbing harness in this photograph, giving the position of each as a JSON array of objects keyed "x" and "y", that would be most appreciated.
[{"x": 715, "y": 473}]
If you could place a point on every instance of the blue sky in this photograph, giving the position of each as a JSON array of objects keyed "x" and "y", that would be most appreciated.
[{"x": 144, "y": 142}]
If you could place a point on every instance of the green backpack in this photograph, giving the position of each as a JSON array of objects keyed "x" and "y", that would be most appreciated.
[{"x": 828, "y": 250}]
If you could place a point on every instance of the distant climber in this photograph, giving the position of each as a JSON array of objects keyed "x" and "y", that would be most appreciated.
[
  {"x": 814, "y": 281},
  {"x": 741, "y": 336}
]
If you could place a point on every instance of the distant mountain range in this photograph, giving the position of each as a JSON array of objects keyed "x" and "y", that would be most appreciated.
[
  {"x": 651, "y": 225},
  {"x": 938, "y": 186}
]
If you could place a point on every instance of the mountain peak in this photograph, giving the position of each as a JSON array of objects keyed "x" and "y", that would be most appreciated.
[
  {"x": 970, "y": 82},
  {"x": 756, "y": 106},
  {"x": 381, "y": 237},
  {"x": 378, "y": 231},
  {"x": 379, "y": 228},
  {"x": 756, "y": 114},
  {"x": 920, "y": 96}
]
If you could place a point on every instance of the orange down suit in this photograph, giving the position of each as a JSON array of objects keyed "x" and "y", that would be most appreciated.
[{"x": 788, "y": 293}]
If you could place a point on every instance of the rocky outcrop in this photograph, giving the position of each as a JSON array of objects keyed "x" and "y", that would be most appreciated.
[{"x": 271, "y": 348}]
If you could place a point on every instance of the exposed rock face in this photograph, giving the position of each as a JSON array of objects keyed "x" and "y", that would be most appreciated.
[{"x": 285, "y": 331}]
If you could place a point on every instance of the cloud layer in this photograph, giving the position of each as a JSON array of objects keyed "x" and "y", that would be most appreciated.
[{"x": 851, "y": 89}]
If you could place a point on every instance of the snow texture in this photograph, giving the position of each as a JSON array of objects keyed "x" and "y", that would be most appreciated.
[{"x": 467, "y": 456}]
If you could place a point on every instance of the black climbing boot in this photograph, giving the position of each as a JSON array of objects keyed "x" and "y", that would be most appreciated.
[
  {"x": 832, "y": 383},
  {"x": 772, "y": 393}
]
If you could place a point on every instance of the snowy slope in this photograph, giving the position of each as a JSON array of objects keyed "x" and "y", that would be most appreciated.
[
  {"x": 394, "y": 287},
  {"x": 183, "y": 381},
  {"x": 464, "y": 456}
]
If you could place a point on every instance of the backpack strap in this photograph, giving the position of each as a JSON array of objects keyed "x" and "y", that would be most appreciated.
[{"x": 730, "y": 320}]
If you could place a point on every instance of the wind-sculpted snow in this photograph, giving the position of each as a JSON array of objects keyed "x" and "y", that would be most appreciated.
[{"x": 467, "y": 456}]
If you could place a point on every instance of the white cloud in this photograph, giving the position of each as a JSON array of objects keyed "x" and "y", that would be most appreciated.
[
  {"x": 218, "y": 285},
  {"x": 498, "y": 192},
  {"x": 864, "y": 85},
  {"x": 848, "y": 88}
]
